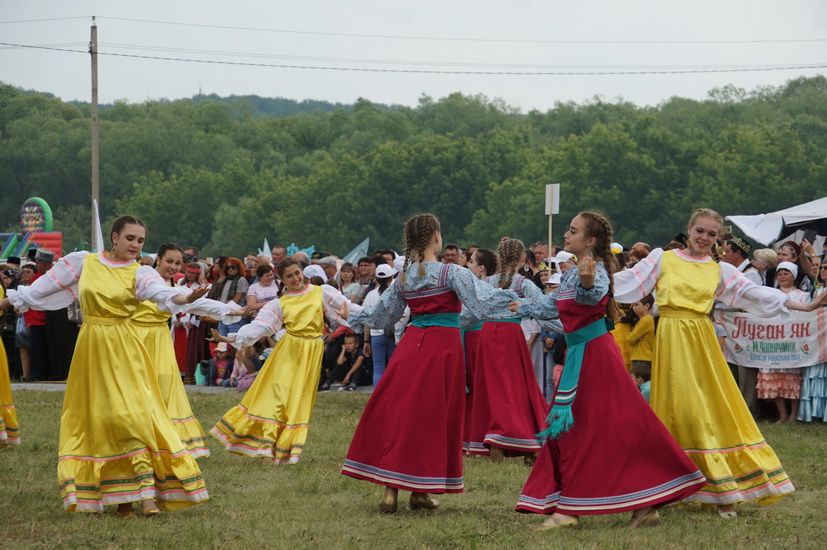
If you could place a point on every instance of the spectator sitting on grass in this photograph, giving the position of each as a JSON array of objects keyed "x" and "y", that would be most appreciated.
[{"x": 345, "y": 373}]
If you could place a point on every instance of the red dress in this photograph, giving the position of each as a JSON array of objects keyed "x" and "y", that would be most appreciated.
[
  {"x": 618, "y": 456},
  {"x": 508, "y": 408},
  {"x": 410, "y": 433},
  {"x": 470, "y": 342}
]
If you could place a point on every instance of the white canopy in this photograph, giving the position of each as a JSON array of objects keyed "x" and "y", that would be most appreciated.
[{"x": 766, "y": 228}]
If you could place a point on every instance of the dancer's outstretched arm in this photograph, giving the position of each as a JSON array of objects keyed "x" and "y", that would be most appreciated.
[
  {"x": 57, "y": 289},
  {"x": 737, "y": 291}
]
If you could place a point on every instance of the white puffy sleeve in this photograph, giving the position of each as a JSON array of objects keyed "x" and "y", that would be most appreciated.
[
  {"x": 736, "y": 291},
  {"x": 150, "y": 286},
  {"x": 633, "y": 284},
  {"x": 213, "y": 308},
  {"x": 269, "y": 320},
  {"x": 333, "y": 300},
  {"x": 56, "y": 289}
]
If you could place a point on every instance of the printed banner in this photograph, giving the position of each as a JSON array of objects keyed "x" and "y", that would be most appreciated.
[{"x": 785, "y": 342}]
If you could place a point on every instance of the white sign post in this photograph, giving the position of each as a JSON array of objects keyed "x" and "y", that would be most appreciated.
[{"x": 552, "y": 207}]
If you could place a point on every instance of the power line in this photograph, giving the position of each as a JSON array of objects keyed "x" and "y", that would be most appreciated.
[
  {"x": 458, "y": 39},
  {"x": 733, "y": 69},
  {"x": 264, "y": 55},
  {"x": 59, "y": 44},
  {"x": 44, "y": 19}
]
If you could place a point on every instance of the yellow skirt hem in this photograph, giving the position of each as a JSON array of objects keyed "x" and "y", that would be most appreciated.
[{"x": 87, "y": 484}]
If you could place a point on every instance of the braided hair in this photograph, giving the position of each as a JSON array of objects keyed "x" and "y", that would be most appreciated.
[
  {"x": 598, "y": 226},
  {"x": 510, "y": 253},
  {"x": 417, "y": 234}
]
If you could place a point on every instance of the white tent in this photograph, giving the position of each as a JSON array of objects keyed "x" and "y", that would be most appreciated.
[{"x": 766, "y": 228}]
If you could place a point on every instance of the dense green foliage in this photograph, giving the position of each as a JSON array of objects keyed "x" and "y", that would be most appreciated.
[{"x": 224, "y": 174}]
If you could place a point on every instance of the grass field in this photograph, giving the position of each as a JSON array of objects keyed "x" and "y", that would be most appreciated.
[{"x": 310, "y": 505}]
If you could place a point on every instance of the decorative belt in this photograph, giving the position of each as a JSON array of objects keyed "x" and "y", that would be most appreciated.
[
  {"x": 449, "y": 320},
  {"x": 92, "y": 320},
  {"x": 680, "y": 313}
]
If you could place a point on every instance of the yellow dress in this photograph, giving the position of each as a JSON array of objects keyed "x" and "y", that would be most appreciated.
[
  {"x": 9, "y": 426},
  {"x": 272, "y": 419},
  {"x": 117, "y": 443},
  {"x": 695, "y": 396},
  {"x": 151, "y": 326}
]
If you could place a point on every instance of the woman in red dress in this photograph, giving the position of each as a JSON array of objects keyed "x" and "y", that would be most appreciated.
[
  {"x": 508, "y": 407},
  {"x": 410, "y": 433},
  {"x": 607, "y": 452}
]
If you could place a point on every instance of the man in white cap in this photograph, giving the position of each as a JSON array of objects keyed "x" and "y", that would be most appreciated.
[
  {"x": 563, "y": 260},
  {"x": 380, "y": 342}
]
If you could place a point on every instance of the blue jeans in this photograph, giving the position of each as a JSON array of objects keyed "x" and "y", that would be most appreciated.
[
  {"x": 224, "y": 330},
  {"x": 381, "y": 349}
]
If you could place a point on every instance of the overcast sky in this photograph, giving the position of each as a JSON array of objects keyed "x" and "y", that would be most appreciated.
[{"x": 507, "y": 27}]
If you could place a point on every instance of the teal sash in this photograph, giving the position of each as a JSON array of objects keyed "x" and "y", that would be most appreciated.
[
  {"x": 476, "y": 326},
  {"x": 450, "y": 320},
  {"x": 560, "y": 418},
  {"x": 516, "y": 320}
]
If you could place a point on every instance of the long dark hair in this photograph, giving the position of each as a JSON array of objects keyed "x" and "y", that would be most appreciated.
[{"x": 598, "y": 226}]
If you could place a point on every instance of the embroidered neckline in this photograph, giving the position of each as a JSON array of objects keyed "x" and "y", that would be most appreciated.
[
  {"x": 300, "y": 293},
  {"x": 690, "y": 258},
  {"x": 113, "y": 263}
]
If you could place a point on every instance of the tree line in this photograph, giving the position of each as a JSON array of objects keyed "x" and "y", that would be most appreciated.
[{"x": 224, "y": 174}]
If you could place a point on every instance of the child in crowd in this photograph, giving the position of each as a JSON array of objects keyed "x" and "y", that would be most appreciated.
[
  {"x": 219, "y": 365},
  {"x": 348, "y": 284},
  {"x": 346, "y": 372},
  {"x": 247, "y": 364},
  {"x": 641, "y": 339},
  {"x": 642, "y": 374}
]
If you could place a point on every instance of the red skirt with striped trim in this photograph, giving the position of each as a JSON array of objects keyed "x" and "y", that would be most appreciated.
[
  {"x": 508, "y": 406},
  {"x": 618, "y": 456},
  {"x": 410, "y": 433}
]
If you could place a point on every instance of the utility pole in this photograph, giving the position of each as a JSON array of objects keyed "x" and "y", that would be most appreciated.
[{"x": 93, "y": 51}]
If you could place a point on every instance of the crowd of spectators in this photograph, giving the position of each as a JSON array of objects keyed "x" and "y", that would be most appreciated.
[{"x": 40, "y": 344}]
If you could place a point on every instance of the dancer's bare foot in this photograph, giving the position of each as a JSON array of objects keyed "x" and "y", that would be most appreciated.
[
  {"x": 556, "y": 521},
  {"x": 644, "y": 517},
  {"x": 727, "y": 511},
  {"x": 497, "y": 454}
]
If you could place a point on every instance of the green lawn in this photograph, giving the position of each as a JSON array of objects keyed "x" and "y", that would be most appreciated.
[{"x": 258, "y": 505}]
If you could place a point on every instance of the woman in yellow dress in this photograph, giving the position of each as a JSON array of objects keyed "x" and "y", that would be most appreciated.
[
  {"x": 9, "y": 426},
  {"x": 692, "y": 391},
  {"x": 272, "y": 419},
  {"x": 117, "y": 444},
  {"x": 152, "y": 326}
]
